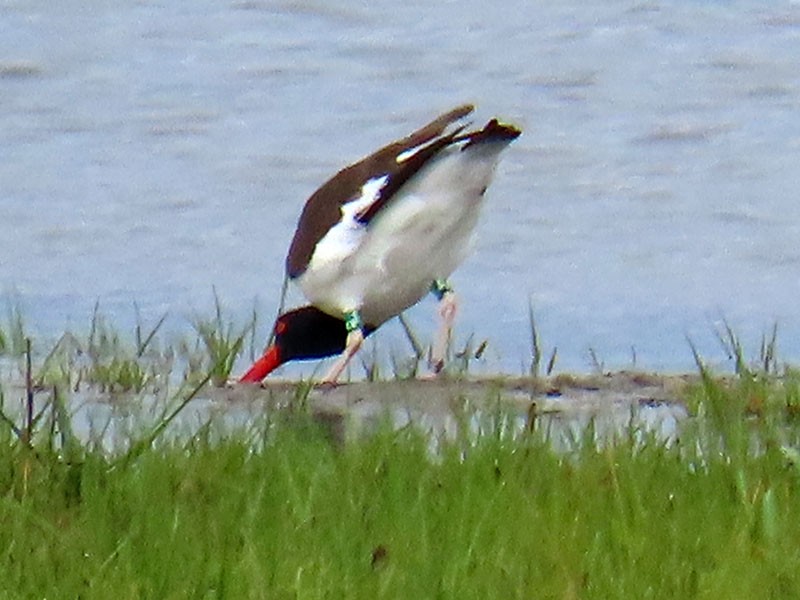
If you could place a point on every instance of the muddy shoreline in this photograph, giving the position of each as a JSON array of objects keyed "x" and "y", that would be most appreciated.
[
  {"x": 564, "y": 404},
  {"x": 557, "y": 394}
]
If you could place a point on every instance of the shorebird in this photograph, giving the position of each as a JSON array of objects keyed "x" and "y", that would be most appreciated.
[{"x": 380, "y": 235}]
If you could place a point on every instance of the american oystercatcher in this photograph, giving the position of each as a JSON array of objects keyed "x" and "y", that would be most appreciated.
[{"x": 380, "y": 235}]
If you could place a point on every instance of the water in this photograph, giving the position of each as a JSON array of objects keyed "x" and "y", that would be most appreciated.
[{"x": 151, "y": 151}]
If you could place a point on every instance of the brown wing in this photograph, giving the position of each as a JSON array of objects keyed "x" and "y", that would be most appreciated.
[
  {"x": 420, "y": 155},
  {"x": 323, "y": 209}
]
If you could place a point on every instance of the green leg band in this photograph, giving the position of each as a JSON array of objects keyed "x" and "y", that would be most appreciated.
[
  {"x": 352, "y": 321},
  {"x": 440, "y": 287}
]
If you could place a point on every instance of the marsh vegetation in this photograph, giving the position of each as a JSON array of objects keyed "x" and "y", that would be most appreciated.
[{"x": 278, "y": 507}]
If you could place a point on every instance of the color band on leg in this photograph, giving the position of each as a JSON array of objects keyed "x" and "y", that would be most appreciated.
[
  {"x": 440, "y": 287},
  {"x": 352, "y": 321}
]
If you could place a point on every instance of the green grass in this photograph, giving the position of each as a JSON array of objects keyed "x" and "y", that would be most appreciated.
[
  {"x": 221, "y": 342},
  {"x": 278, "y": 510},
  {"x": 12, "y": 336},
  {"x": 281, "y": 509}
]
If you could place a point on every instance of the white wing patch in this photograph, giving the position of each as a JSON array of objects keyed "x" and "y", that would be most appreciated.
[
  {"x": 406, "y": 154},
  {"x": 370, "y": 193},
  {"x": 344, "y": 238},
  {"x": 410, "y": 152}
]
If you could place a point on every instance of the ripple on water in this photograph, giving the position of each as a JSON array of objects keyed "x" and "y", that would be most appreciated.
[
  {"x": 20, "y": 69},
  {"x": 683, "y": 132}
]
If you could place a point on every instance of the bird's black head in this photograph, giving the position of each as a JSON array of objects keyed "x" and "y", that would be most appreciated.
[
  {"x": 307, "y": 332},
  {"x": 301, "y": 334}
]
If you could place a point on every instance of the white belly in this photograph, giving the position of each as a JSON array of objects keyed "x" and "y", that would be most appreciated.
[{"x": 423, "y": 235}]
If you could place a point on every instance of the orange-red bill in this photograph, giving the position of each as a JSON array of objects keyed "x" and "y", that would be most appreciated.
[{"x": 263, "y": 366}]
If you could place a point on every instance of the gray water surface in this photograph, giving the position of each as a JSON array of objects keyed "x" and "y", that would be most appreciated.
[{"x": 150, "y": 151}]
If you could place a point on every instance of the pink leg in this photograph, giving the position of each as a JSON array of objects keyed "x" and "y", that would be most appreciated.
[
  {"x": 354, "y": 340},
  {"x": 448, "y": 306}
]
